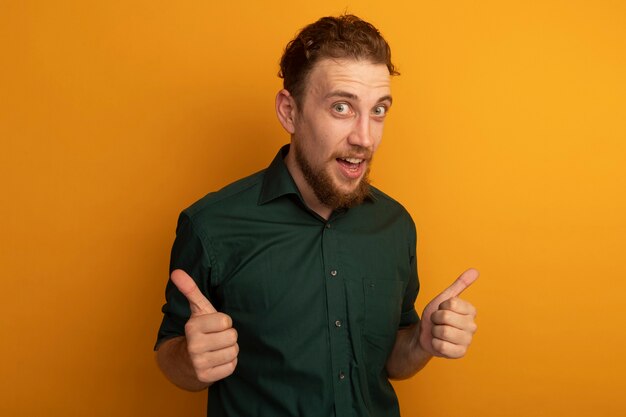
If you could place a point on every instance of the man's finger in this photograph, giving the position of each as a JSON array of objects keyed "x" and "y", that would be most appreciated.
[
  {"x": 459, "y": 285},
  {"x": 459, "y": 306},
  {"x": 452, "y": 319},
  {"x": 198, "y": 303}
]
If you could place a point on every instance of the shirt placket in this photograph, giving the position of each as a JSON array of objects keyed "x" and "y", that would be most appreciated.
[{"x": 337, "y": 323}]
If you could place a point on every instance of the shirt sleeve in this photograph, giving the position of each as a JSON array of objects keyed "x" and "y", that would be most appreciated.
[
  {"x": 409, "y": 314},
  {"x": 190, "y": 255}
]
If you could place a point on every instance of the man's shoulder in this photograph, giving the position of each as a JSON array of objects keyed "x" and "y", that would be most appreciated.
[
  {"x": 243, "y": 191},
  {"x": 387, "y": 210},
  {"x": 386, "y": 202}
]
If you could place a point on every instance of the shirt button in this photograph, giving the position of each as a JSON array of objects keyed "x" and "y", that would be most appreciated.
[
  {"x": 338, "y": 323},
  {"x": 328, "y": 225},
  {"x": 342, "y": 376},
  {"x": 333, "y": 273}
]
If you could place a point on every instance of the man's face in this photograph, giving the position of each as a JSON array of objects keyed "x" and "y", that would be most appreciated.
[{"x": 339, "y": 127}]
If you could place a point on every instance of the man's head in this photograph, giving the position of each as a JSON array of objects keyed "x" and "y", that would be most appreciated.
[
  {"x": 336, "y": 96},
  {"x": 341, "y": 37}
]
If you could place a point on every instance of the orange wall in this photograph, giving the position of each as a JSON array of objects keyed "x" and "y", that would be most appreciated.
[{"x": 506, "y": 143}]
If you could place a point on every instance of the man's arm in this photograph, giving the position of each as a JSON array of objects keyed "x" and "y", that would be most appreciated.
[
  {"x": 173, "y": 359},
  {"x": 446, "y": 330},
  {"x": 208, "y": 351},
  {"x": 406, "y": 358}
]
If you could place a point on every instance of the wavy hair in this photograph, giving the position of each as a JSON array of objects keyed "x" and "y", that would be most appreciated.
[{"x": 346, "y": 36}]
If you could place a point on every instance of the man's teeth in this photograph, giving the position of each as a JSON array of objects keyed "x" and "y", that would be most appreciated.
[{"x": 353, "y": 160}]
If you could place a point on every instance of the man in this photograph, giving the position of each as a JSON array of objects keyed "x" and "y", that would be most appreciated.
[{"x": 292, "y": 291}]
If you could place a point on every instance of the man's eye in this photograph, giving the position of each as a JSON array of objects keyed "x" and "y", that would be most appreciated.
[
  {"x": 380, "y": 110},
  {"x": 341, "y": 108}
]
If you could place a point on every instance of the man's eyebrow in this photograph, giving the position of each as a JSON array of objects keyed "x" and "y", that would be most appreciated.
[
  {"x": 386, "y": 98},
  {"x": 341, "y": 93},
  {"x": 345, "y": 94}
]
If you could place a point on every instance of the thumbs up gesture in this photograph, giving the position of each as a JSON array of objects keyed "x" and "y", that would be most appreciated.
[
  {"x": 211, "y": 339},
  {"x": 447, "y": 324}
]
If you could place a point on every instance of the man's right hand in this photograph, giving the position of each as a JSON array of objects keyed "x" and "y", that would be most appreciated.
[{"x": 211, "y": 338}]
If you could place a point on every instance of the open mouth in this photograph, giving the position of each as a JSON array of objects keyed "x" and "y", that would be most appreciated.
[
  {"x": 352, "y": 168},
  {"x": 350, "y": 163}
]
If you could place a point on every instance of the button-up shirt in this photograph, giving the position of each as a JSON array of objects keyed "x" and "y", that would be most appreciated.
[{"x": 316, "y": 303}]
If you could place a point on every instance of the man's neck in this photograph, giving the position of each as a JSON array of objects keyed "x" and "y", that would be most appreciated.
[{"x": 310, "y": 199}]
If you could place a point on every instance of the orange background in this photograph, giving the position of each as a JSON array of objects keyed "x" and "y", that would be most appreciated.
[{"x": 506, "y": 143}]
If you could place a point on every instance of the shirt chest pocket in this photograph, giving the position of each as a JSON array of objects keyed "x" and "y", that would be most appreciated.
[
  {"x": 376, "y": 307},
  {"x": 382, "y": 302}
]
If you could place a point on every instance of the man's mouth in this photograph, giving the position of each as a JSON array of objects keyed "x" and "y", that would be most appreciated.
[
  {"x": 351, "y": 167},
  {"x": 351, "y": 161}
]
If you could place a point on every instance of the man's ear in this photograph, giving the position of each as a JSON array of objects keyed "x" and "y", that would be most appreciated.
[{"x": 286, "y": 110}]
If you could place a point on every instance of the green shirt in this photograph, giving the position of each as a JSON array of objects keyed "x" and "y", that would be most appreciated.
[{"x": 316, "y": 303}]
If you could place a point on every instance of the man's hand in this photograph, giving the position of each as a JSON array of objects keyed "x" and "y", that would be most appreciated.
[
  {"x": 211, "y": 338},
  {"x": 447, "y": 324}
]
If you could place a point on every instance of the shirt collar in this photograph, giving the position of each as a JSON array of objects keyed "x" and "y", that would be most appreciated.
[{"x": 277, "y": 181}]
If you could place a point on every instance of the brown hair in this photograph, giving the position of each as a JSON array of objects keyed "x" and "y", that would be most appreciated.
[{"x": 345, "y": 36}]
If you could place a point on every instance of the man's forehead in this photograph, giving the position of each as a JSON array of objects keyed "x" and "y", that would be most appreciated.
[{"x": 337, "y": 74}]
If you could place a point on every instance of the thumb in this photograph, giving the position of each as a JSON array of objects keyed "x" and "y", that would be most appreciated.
[
  {"x": 198, "y": 303},
  {"x": 458, "y": 286}
]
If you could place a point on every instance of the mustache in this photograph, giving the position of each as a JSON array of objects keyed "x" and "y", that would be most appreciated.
[{"x": 357, "y": 152}]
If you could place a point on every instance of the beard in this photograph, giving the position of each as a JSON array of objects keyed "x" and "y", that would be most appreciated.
[{"x": 324, "y": 188}]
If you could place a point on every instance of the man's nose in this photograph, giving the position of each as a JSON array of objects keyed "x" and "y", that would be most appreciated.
[{"x": 361, "y": 134}]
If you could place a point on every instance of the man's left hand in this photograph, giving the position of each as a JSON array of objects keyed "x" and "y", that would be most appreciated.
[{"x": 447, "y": 324}]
